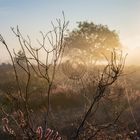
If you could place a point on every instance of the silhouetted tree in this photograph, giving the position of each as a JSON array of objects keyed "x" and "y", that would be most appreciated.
[{"x": 92, "y": 41}]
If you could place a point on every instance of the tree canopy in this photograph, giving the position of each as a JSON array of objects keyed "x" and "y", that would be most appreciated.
[{"x": 92, "y": 41}]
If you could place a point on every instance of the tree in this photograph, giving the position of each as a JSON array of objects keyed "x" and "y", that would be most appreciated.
[{"x": 92, "y": 41}]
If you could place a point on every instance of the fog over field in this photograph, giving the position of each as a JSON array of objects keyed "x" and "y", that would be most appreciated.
[
  {"x": 69, "y": 70},
  {"x": 133, "y": 57}
]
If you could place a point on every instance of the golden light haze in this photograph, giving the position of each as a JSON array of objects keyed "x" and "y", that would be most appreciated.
[
  {"x": 34, "y": 15},
  {"x": 133, "y": 57}
]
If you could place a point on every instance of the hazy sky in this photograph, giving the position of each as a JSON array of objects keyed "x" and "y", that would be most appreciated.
[{"x": 35, "y": 15}]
